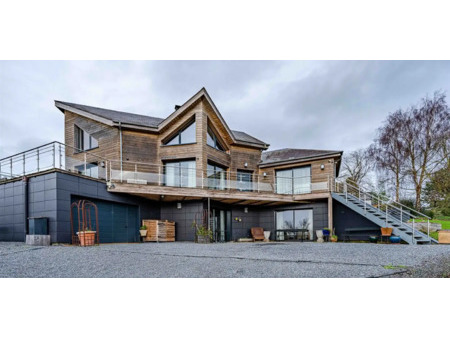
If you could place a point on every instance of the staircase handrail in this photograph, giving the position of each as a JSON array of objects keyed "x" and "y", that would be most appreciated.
[{"x": 385, "y": 199}]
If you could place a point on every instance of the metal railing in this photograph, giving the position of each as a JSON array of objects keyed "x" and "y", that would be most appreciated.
[
  {"x": 390, "y": 209},
  {"x": 54, "y": 155},
  {"x": 170, "y": 175}
]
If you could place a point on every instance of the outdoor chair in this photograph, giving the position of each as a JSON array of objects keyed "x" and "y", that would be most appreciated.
[{"x": 257, "y": 233}]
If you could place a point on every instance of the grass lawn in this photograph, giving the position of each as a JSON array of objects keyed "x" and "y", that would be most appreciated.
[{"x": 445, "y": 221}]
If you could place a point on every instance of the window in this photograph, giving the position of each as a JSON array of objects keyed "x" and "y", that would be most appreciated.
[
  {"x": 83, "y": 140},
  {"x": 216, "y": 177},
  {"x": 180, "y": 174},
  {"x": 294, "y": 181},
  {"x": 295, "y": 219},
  {"x": 211, "y": 140},
  {"x": 184, "y": 136},
  {"x": 244, "y": 180}
]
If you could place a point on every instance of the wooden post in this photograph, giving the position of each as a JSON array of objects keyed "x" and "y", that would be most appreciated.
[{"x": 330, "y": 214}]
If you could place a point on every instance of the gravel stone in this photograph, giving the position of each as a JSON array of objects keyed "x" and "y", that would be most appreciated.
[{"x": 185, "y": 259}]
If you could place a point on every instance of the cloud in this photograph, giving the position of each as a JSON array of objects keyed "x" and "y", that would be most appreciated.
[{"x": 299, "y": 104}]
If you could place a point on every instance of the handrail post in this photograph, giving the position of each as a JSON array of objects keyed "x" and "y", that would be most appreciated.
[
  {"x": 346, "y": 192},
  {"x": 37, "y": 151},
  {"x": 359, "y": 192},
  {"x": 386, "y": 215},
  {"x": 60, "y": 157},
  {"x": 428, "y": 228},
  {"x": 53, "y": 153},
  {"x": 257, "y": 185},
  {"x": 135, "y": 171},
  {"x": 110, "y": 171},
  {"x": 412, "y": 233},
  {"x": 23, "y": 160},
  {"x": 85, "y": 165},
  {"x": 10, "y": 167},
  {"x": 106, "y": 171},
  {"x": 365, "y": 198},
  {"x": 401, "y": 214},
  {"x": 203, "y": 175},
  {"x": 159, "y": 175}
]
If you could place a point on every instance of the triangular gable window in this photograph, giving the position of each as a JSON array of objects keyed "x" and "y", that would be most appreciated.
[
  {"x": 184, "y": 136},
  {"x": 211, "y": 140}
]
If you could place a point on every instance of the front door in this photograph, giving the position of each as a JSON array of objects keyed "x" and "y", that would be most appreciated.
[{"x": 221, "y": 225}]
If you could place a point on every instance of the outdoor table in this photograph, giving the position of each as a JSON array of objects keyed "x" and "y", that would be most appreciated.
[{"x": 291, "y": 230}]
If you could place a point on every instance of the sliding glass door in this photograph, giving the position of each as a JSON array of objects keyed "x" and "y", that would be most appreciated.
[
  {"x": 294, "y": 219},
  {"x": 294, "y": 181},
  {"x": 180, "y": 174}
]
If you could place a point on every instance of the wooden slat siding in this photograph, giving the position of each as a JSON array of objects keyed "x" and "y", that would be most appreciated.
[
  {"x": 241, "y": 155},
  {"x": 140, "y": 147},
  {"x": 108, "y": 137}
]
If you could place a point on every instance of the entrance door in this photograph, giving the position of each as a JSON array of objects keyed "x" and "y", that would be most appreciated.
[{"x": 221, "y": 225}]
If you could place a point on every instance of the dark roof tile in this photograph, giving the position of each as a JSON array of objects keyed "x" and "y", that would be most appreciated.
[
  {"x": 118, "y": 116},
  {"x": 289, "y": 154}
]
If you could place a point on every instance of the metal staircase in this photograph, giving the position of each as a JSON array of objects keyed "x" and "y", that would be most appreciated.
[{"x": 383, "y": 212}]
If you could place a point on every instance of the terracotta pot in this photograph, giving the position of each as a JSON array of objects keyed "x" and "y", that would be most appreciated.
[
  {"x": 87, "y": 238},
  {"x": 143, "y": 232},
  {"x": 386, "y": 231},
  {"x": 333, "y": 239}
]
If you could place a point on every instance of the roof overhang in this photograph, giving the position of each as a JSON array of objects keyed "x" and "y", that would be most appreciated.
[{"x": 300, "y": 160}]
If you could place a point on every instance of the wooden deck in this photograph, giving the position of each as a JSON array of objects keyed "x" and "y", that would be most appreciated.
[{"x": 173, "y": 194}]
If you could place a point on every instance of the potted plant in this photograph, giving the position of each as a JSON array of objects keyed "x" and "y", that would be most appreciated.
[
  {"x": 87, "y": 237},
  {"x": 143, "y": 231},
  {"x": 202, "y": 233},
  {"x": 334, "y": 238}
]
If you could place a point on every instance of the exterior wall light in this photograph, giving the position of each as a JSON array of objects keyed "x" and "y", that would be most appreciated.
[
  {"x": 265, "y": 174},
  {"x": 322, "y": 166},
  {"x": 246, "y": 164},
  {"x": 178, "y": 205},
  {"x": 246, "y": 210}
]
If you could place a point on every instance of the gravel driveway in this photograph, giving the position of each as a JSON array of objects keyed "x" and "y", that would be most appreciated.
[{"x": 182, "y": 259}]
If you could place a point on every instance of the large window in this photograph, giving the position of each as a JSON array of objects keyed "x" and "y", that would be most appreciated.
[
  {"x": 295, "y": 219},
  {"x": 180, "y": 174},
  {"x": 216, "y": 176},
  {"x": 184, "y": 136},
  {"x": 294, "y": 181},
  {"x": 211, "y": 140},
  {"x": 244, "y": 180},
  {"x": 83, "y": 140}
]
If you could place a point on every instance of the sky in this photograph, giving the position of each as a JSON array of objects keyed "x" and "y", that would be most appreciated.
[{"x": 332, "y": 105}]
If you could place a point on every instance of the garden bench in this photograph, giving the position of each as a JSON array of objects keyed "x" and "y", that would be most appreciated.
[{"x": 356, "y": 232}]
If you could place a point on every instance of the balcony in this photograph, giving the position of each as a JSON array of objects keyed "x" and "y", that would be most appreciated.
[{"x": 183, "y": 182}]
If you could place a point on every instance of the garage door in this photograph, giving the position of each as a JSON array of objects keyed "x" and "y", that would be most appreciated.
[{"x": 118, "y": 222}]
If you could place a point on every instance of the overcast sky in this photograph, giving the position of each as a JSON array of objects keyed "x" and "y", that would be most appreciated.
[{"x": 333, "y": 105}]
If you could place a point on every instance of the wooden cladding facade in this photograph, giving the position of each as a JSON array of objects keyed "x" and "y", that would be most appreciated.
[{"x": 149, "y": 146}]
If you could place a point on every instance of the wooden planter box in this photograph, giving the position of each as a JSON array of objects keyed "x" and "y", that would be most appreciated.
[
  {"x": 444, "y": 236},
  {"x": 159, "y": 231}
]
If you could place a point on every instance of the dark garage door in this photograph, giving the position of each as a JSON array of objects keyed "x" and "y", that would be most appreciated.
[{"x": 118, "y": 222}]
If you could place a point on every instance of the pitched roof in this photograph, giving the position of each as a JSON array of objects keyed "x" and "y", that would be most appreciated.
[
  {"x": 289, "y": 154},
  {"x": 117, "y": 116},
  {"x": 113, "y": 117},
  {"x": 244, "y": 137}
]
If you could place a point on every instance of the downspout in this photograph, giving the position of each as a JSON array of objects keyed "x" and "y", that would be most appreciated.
[
  {"x": 25, "y": 204},
  {"x": 120, "y": 144}
]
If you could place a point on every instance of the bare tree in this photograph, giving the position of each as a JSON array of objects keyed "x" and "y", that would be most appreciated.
[
  {"x": 388, "y": 150},
  {"x": 356, "y": 166},
  {"x": 425, "y": 134}
]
